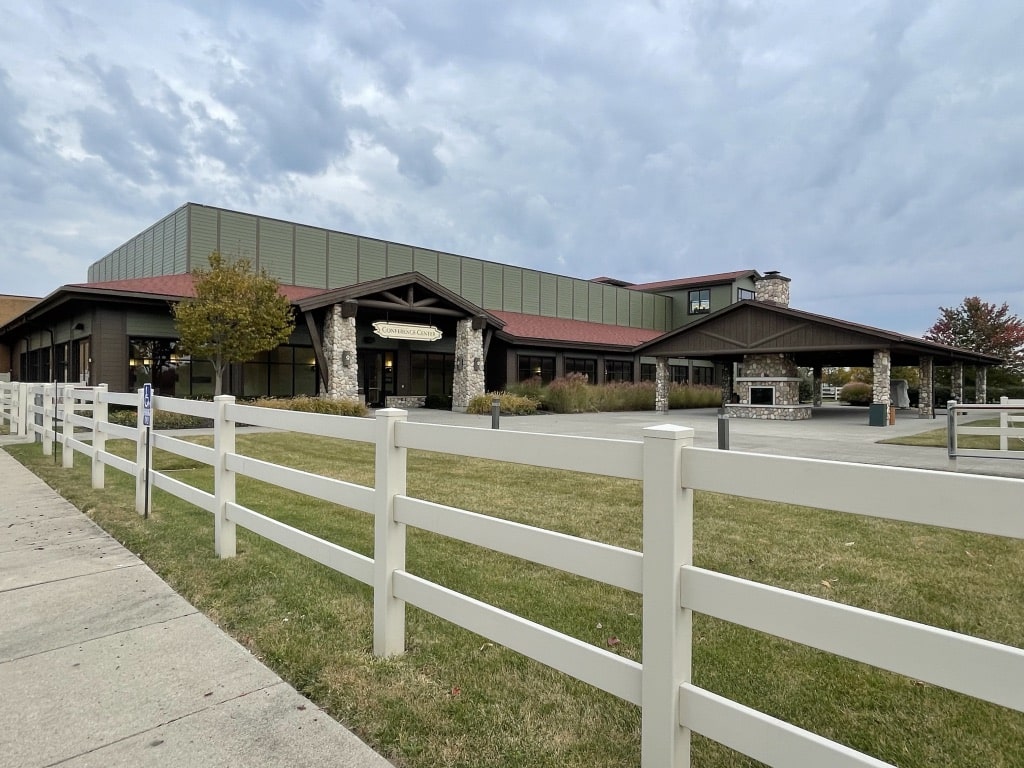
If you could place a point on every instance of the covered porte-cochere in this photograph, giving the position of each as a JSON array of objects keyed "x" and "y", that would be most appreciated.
[
  {"x": 760, "y": 345},
  {"x": 398, "y": 341}
]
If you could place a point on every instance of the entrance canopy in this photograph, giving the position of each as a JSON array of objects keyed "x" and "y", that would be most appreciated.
[{"x": 759, "y": 328}]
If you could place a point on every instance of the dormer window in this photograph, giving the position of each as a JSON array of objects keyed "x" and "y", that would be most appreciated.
[{"x": 700, "y": 301}]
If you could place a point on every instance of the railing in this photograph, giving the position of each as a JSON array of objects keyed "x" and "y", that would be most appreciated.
[
  {"x": 1010, "y": 430},
  {"x": 672, "y": 588}
]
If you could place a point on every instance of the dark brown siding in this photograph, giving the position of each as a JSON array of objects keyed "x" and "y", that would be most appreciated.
[{"x": 110, "y": 349}]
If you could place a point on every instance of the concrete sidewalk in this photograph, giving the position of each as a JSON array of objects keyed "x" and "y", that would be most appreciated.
[{"x": 103, "y": 664}]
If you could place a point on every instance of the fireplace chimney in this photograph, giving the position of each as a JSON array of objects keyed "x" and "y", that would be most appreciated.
[{"x": 772, "y": 288}]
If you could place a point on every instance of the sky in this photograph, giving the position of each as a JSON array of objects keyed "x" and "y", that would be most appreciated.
[{"x": 871, "y": 151}]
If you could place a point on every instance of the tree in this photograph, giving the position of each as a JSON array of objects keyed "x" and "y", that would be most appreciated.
[
  {"x": 982, "y": 327},
  {"x": 236, "y": 314}
]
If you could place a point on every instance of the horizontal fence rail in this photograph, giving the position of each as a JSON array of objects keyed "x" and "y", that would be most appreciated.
[
  {"x": 1010, "y": 431},
  {"x": 672, "y": 588}
]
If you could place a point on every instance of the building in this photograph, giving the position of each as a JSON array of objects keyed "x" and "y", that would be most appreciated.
[{"x": 391, "y": 323}]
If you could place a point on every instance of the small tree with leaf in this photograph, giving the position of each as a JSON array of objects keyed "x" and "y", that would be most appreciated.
[{"x": 236, "y": 314}]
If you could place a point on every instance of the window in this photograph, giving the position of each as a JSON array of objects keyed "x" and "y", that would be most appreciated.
[
  {"x": 535, "y": 366},
  {"x": 648, "y": 372},
  {"x": 744, "y": 293},
  {"x": 584, "y": 365},
  {"x": 431, "y": 373},
  {"x": 700, "y": 301},
  {"x": 678, "y": 374},
  {"x": 618, "y": 370},
  {"x": 702, "y": 375}
]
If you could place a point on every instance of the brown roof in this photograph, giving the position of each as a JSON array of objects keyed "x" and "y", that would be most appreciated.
[
  {"x": 685, "y": 282},
  {"x": 557, "y": 329},
  {"x": 180, "y": 286}
]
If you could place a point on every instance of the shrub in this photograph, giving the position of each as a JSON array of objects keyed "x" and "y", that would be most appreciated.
[
  {"x": 531, "y": 388},
  {"x": 856, "y": 393},
  {"x": 161, "y": 419},
  {"x": 326, "y": 405},
  {"x": 512, "y": 405},
  {"x": 570, "y": 394},
  {"x": 624, "y": 396},
  {"x": 694, "y": 396}
]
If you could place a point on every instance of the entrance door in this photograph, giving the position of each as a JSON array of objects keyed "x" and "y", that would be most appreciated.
[{"x": 377, "y": 376}]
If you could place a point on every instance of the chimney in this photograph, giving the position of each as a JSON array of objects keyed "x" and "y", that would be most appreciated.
[{"x": 772, "y": 288}]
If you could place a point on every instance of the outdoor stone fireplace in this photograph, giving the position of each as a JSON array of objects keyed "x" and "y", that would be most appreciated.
[{"x": 768, "y": 389}]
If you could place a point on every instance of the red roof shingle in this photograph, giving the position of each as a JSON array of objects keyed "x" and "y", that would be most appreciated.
[{"x": 540, "y": 328}]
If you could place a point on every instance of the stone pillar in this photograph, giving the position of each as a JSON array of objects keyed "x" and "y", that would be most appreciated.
[
  {"x": 882, "y": 368},
  {"x": 340, "y": 355},
  {"x": 816, "y": 386},
  {"x": 469, "y": 364},
  {"x": 956, "y": 382},
  {"x": 661, "y": 385},
  {"x": 981, "y": 384},
  {"x": 926, "y": 395},
  {"x": 726, "y": 384}
]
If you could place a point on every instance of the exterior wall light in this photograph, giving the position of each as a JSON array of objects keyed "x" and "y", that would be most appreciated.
[{"x": 476, "y": 363}]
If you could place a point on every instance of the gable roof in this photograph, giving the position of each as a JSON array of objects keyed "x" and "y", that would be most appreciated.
[
  {"x": 547, "y": 331},
  {"x": 754, "y": 327},
  {"x": 690, "y": 282}
]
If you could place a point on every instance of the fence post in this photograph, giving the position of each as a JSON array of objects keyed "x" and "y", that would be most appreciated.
[
  {"x": 47, "y": 435},
  {"x": 951, "y": 432},
  {"x": 67, "y": 454},
  {"x": 23, "y": 410},
  {"x": 224, "y": 534},
  {"x": 99, "y": 437},
  {"x": 667, "y": 626},
  {"x": 388, "y": 536}
]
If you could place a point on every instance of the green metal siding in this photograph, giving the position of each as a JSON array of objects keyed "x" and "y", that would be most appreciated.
[
  {"x": 399, "y": 259},
  {"x": 180, "y": 241},
  {"x": 203, "y": 231},
  {"x": 450, "y": 272},
  {"x": 492, "y": 285},
  {"x": 548, "y": 295},
  {"x": 610, "y": 304},
  {"x": 237, "y": 236},
  {"x": 623, "y": 307},
  {"x": 135, "y": 258},
  {"x": 372, "y": 259},
  {"x": 595, "y": 312},
  {"x": 648, "y": 310},
  {"x": 580, "y": 300},
  {"x": 275, "y": 249},
  {"x": 167, "y": 246},
  {"x": 636, "y": 309},
  {"x": 512, "y": 289},
  {"x": 311, "y": 257},
  {"x": 425, "y": 262},
  {"x": 531, "y": 292},
  {"x": 661, "y": 314},
  {"x": 473, "y": 281},
  {"x": 342, "y": 259},
  {"x": 564, "y": 297}
]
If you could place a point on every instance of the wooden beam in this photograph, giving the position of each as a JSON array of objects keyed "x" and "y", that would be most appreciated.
[
  {"x": 318, "y": 349},
  {"x": 375, "y": 304}
]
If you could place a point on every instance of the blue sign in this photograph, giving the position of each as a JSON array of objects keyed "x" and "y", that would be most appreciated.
[{"x": 147, "y": 404}]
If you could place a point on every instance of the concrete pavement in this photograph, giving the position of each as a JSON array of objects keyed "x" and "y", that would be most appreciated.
[{"x": 103, "y": 664}]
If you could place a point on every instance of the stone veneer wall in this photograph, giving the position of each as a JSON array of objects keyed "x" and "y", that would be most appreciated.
[
  {"x": 926, "y": 395},
  {"x": 957, "y": 382},
  {"x": 775, "y": 413},
  {"x": 661, "y": 385},
  {"x": 981, "y": 384},
  {"x": 726, "y": 383},
  {"x": 469, "y": 364},
  {"x": 775, "y": 370},
  {"x": 340, "y": 337},
  {"x": 772, "y": 289},
  {"x": 882, "y": 368}
]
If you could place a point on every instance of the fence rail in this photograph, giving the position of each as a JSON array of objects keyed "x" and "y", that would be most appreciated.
[
  {"x": 1010, "y": 430},
  {"x": 672, "y": 588}
]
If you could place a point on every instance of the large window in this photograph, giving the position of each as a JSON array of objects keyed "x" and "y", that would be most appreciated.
[
  {"x": 677, "y": 374},
  {"x": 585, "y": 365},
  {"x": 536, "y": 366},
  {"x": 618, "y": 370},
  {"x": 700, "y": 301},
  {"x": 744, "y": 293},
  {"x": 703, "y": 375},
  {"x": 431, "y": 373}
]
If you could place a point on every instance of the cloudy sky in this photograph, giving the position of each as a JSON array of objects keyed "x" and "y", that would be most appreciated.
[{"x": 872, "y": 151}]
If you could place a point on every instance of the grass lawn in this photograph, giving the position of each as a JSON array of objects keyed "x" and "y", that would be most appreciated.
[
  {"x": 937, "y": 438},
  {"x": 456, "y": 699}
]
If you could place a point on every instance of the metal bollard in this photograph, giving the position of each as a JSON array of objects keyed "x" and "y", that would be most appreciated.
[
  {"x": 495, "y": 413},
  {"x": 723, "y": 431}
]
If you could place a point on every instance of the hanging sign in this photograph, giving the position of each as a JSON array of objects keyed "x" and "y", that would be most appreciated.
[
  {"x": 411, "y": 331},
  {"x": 147, "y": 404}
]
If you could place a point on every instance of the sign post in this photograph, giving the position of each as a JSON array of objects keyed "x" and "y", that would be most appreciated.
[{"x": 147, "y": 421}]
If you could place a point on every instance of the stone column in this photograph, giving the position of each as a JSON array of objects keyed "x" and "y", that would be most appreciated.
[
  {"x": 882, "y": 368},
  {"x": 816, "y": 386},
  {"x": 661, "y": 385},
  {"x": 956, "y": 382},
  {"x": 469, "y": 364},
  {"x": 726, "y": 383},
  {"x": 981, "y": 384},
  {"x": 340, "y": 355},
  {"x": 926, "y": 395}
]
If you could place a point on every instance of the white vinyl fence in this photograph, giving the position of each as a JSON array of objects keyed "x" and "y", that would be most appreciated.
[
  {"x": 1010, "y": 430},
  {"x": 672, "y": 588}
]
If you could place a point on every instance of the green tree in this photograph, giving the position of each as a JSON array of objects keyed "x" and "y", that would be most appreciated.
[
  {"x": 236, "y": 314},
  {"x": 982, "y": 327}
]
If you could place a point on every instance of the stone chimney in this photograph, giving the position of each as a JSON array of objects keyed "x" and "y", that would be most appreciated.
[{"x": 772, "y": 288}]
